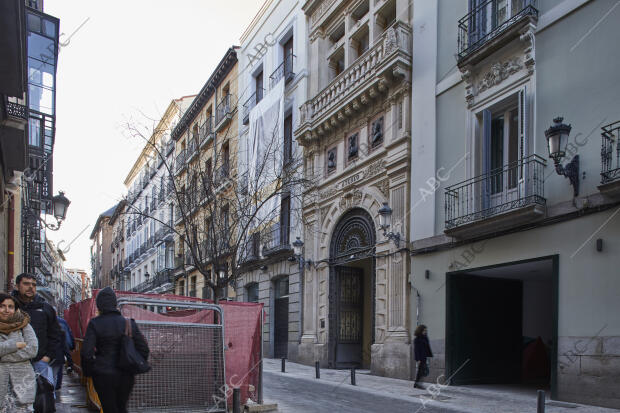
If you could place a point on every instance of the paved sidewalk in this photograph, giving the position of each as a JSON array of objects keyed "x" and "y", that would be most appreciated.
[
  {"x": 72, "y": 398},
  {"x": 474, "y": 399}
]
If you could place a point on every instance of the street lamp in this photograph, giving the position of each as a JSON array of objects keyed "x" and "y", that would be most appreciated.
[
  {"x": 298, "y": 246},
  {"x": 60, "y": 204},
  {"x": 557, "y": 141},
  {"x": 385, "y": 221}
]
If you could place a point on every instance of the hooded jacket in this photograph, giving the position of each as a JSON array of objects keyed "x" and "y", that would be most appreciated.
[
  {"x": 45, "y": 324},
  {"x": 102, "y": 341}
]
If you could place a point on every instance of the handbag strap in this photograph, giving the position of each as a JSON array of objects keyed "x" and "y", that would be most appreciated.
[{"x": 128, "y": 327}]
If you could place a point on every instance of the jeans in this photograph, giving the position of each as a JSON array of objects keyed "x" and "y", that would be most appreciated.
[{"x": 113, "y": 391}]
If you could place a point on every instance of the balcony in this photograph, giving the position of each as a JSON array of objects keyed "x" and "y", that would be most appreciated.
[
  {"x": 251, "y": 251},
  {"x": 251, "y": 103},
  {"x": 500, "y": 199},
  {"x": 180, "y": 162},
  {"x": 223, "y": 112},
  {"x": 286, "y": 71},
  {"x": 153, "y": 204},
  {"x": 162, "y": 279},
  {"x": 192, "y": 148},
  {"x": 169, "y": 147},
  {"x": 206, "y": 132},
  {"x": 221, "y": 175},
  {"x": 354, "y": 89},
  {"x": 15, "y": 111},
  {"x": 276, "y": 240},
  {"x": 489, "y": 26},
  {"x": 610, "y": 160}
]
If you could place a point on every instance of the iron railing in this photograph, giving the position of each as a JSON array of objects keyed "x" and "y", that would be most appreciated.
[
  {"x": 223, "y": 109},
  {"x": 516, "y": 185},
  {"x": 169, "y": 147},
  {"x": 221, "y": 174},
  {"x": 276, "y": 239},
  {"x": 284, "y": 70},
  {"x": 250, "y": 103},
  {"x": 488, "y": 20},
  {"x": 251, "y": 252},
  {"x": 206, "y": 132},
  {"x": 610, "y": 153},
  {"x": 180, "y": 161},
  {"x": 15, "y": 110},
  {"x": 161, "y": 278},
  {"x": 191, "y": 148}
]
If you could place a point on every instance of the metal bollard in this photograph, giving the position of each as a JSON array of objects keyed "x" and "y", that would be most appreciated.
[
  {"x": 353, "y": 376},
  {"x": 283, "y": 365},
  {"x": 541, "y": 402},
  {"x": 318, "y": 370},
  {"x": 236, "y": 400}
]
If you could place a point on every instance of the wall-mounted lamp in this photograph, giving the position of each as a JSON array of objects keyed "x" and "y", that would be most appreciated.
[
  {"x": 557, "y": 140},
  {"x": 385, "y": 221},
  {"x": 60, "y": 204},
  {"x": 298, "y": 246}
]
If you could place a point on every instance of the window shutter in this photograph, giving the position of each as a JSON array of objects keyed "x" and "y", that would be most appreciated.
[{"x": 486, "y": 157}]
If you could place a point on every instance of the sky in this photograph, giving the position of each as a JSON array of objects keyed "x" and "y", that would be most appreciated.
[{"x": 124, "y": 61}]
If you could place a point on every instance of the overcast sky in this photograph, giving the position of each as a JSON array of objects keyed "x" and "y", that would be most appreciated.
[{"x": 129, "y": 57}]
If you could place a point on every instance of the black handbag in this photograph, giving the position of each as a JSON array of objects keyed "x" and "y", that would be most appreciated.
[
  {"x": 129, "y": 360},
  {"x": 44, "y": 399}
]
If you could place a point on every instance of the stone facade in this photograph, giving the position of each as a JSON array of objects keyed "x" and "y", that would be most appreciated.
[{"x": 355, "y": 130}]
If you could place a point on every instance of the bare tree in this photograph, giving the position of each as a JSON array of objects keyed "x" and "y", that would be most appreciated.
[{"x": 227, "y": 196}]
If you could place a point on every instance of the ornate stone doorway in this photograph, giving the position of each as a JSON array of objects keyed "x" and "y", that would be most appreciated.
[{"x": 352, "y": 291}]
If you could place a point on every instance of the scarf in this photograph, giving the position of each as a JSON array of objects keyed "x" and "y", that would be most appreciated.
[{"x": 16, "y": 322}]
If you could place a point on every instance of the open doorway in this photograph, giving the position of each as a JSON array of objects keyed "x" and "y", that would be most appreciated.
[{"x": 501, "y": 324}]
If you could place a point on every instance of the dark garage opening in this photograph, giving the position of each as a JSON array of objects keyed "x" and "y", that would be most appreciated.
[{"x": 501, "y": 326}]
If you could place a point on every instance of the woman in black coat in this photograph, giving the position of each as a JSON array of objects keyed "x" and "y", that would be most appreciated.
[
  {"x": 100, "y": 353},
  {"x": 422, "y": 350}
]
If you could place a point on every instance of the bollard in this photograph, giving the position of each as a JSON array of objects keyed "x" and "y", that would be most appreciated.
[
  {"x": 353, "y": 376},
  {"x": 541, "y": 402},
  {"x": 236, "y": 401},
  {"x": 318, "y": 370},
  {"x": 283, "y": 365}
]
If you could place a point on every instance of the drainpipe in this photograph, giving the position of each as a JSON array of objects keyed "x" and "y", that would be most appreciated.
[{"x": 302, "y": 273}]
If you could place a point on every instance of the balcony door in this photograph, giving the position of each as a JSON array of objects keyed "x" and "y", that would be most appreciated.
[{"x": 504, "y": 146}]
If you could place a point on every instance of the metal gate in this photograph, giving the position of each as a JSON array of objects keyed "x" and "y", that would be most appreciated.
[{"x": 187, "y": 360}]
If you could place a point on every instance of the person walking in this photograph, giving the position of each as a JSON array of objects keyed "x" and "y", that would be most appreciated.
[
  {"x": 69, "y": 346},
  {"x": 18, "y": 344},
  {"x": 100, "y": 353},
  {"x": 422, "y": 350},
  {"x": 45, "y": 325}
]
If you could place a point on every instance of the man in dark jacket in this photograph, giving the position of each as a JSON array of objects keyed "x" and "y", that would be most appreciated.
[
  {"x": 69, "y": 346},
  {"x": 422, "y": 350},
  {"x": 100, "y": 353},
  {"x": 42, "y": 319}
]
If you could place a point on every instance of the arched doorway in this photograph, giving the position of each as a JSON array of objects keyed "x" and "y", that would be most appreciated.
[{"x": 352, "y": 290}]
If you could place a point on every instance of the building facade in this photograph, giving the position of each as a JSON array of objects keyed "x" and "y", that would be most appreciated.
[
  {"x": 514, "y": 266},
  {"x": 27, "y": 122},
  {"x": 205, "y": 175},
  {"x": 118, "y": 276},
  {"x": 100, "y": 254},
  {"x": 84, "y": 282},
  {"x": 149, "y": 211},
  {"x": 274, "y": 79},
  {"x": 355, "y": 132}
]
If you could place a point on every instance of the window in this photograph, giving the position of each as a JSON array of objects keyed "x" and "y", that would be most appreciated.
[
  {"x": 288, "y": 59},
  {"x": 288, "y": 139},
  {"x": 258, "y": 83},
  {"x": 181, "y": 287},
  {"x": 281, "y": 288},
  {"x": 336, "y": 63},
  {"x": 252, "y": 293},
  {"x": 225, "y": 158},
  {"x": 331, "y": 160},
  {"x": 192, "y": 288},
  {"x": 285, "y": 219}
]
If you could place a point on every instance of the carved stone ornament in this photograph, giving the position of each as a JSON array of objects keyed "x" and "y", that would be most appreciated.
[
  {"x": 390, "y": 43},
  {"x": 384, "y": 187},
  {"x": 498, "y": 73},
  {"x": 321, "y": 9},
  {"x": 324, "y": 212},
  {"x": 328, "y": 192},
  {"x": 350, "y": 199},
  {"x": 374, "y": 168}
]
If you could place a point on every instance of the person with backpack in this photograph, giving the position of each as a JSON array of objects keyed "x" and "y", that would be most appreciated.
[
  {"x": 18, "y": 345},
  {"x": 102, "y": 352}
]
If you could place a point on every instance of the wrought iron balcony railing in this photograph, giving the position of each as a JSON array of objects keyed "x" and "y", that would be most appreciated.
[
  {"x": 206, "y": 132},
  {"x": 224, "y": 109},
  {"x": 490, "y": 19},
  {"x": 221, "y": 174},
  {"x": 169, "y": 147},
  {"x": 251, "y": 252},
  {"x": 284, "y": 70},
  {"x": 610, "y": 153},
  {"x": 161, "y": 278},
  {"x": 15, "y": 110},
  {"x": 505, "y": 189},
  {"x": 276, "y": 239},
  {"x": 192, "y": 148},
  {"x": 180, "y": 161},
  {"x": 250, "y": 103}
]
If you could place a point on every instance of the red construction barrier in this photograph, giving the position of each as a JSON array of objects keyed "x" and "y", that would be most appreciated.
[{"x": 242, "y": 332}]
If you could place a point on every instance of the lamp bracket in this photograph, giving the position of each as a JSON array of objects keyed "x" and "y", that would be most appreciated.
[{"x": 570, "y": 171}]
